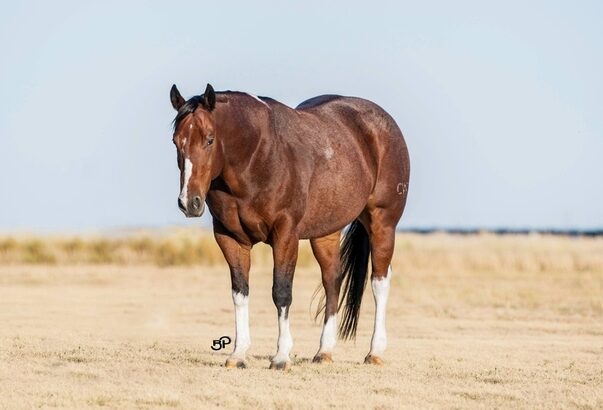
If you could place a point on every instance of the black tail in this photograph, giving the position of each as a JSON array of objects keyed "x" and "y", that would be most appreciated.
[{"x": 355, "y": 251}]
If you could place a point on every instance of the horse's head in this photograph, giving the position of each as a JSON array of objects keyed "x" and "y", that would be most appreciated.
[{"x": 198, "y": 152}]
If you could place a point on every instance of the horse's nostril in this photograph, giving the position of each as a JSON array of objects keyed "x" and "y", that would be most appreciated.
[
  {"x": 181, "y": 205},
  {"x": 196, "y": 204}
]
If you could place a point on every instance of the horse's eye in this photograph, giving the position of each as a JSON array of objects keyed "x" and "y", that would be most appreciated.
[{"x": 210, "y": 140}]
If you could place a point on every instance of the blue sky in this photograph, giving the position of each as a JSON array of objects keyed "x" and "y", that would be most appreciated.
[{"x": 500, "y": 102}]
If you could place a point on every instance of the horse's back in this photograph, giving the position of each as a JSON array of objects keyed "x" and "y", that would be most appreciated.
[
  {"x": 370, "y": 124},
  {"x": 354, "y": 111},
  {"x": 317, "y": 101}
]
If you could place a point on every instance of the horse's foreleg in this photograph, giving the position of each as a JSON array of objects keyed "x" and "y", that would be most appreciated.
[
  {"x": 326, "y": 251},
  {"x": 285, "y": 246},
  {"x": 238, "y": 258}
]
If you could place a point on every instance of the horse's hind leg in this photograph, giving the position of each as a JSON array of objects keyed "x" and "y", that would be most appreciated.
[
  {"x": 382, "y": 231},
  {"x": 326, "y": 251}
]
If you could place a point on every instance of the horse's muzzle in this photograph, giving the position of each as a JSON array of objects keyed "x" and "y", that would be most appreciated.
[{"x": 194, "y": 208}]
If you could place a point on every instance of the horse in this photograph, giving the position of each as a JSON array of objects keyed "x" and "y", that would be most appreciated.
[{"x": 270, "y": 173}]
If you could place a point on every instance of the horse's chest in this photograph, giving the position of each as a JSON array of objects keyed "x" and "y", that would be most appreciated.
[
  {"x": 253, "y": 224},
  {"x": 241, "y": 220}
]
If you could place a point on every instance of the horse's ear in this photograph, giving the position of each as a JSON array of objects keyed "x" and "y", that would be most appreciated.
[
  {"x": 209, "y": 97},
  {"x": 176, "y": 98}
]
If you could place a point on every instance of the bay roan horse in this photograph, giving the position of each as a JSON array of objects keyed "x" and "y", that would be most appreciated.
[{"x": 270, "y": 173}]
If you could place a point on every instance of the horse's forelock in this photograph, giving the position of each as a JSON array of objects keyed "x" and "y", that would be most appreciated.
[{"x": 187, "y": 108}]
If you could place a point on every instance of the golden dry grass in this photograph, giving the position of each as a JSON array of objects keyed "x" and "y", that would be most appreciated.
[{"x": 478, "y": 321}]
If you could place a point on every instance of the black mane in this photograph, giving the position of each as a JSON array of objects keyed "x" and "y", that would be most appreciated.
[{"x": 197, "y": 101}]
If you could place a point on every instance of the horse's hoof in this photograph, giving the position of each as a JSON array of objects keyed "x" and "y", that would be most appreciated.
[
  {"x": 322, "y": 358},
  {"x": 370, "y": 359},
  {"x": 233, "y": 363},
  {"x": 280, "y": 366}
]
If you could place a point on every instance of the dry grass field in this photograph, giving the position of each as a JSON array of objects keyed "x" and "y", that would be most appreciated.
[{"x": 127, "y": 322}]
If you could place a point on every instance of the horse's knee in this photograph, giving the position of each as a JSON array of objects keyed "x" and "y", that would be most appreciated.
[
  {"x": 239, "y": 281},
  {"x": 282, "y": 292}
]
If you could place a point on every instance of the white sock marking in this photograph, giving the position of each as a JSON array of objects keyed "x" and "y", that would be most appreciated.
[
  {"x": 328, "y": 338},
  {"x": 285, "y": 341},
  {"x": 242, "y": 338},
  {"x": 380, "y": 293},
  {"x": 188, "y": 172}
]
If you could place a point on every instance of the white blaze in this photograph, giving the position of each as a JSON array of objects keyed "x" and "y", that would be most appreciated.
[
  {"x": 285, "y": 341},
  {"x": 380, "y": 292},
  {"x": 242, "y": 338},
  {"x": 188, "y": 171},
  {"x": 328, "y": 338}
]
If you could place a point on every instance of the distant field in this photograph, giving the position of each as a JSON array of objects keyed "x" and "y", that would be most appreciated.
[{"x": 127, "y": 321}]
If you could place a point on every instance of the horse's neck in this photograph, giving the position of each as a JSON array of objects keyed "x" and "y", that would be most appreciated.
[{"x": 248, "y": 143}]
